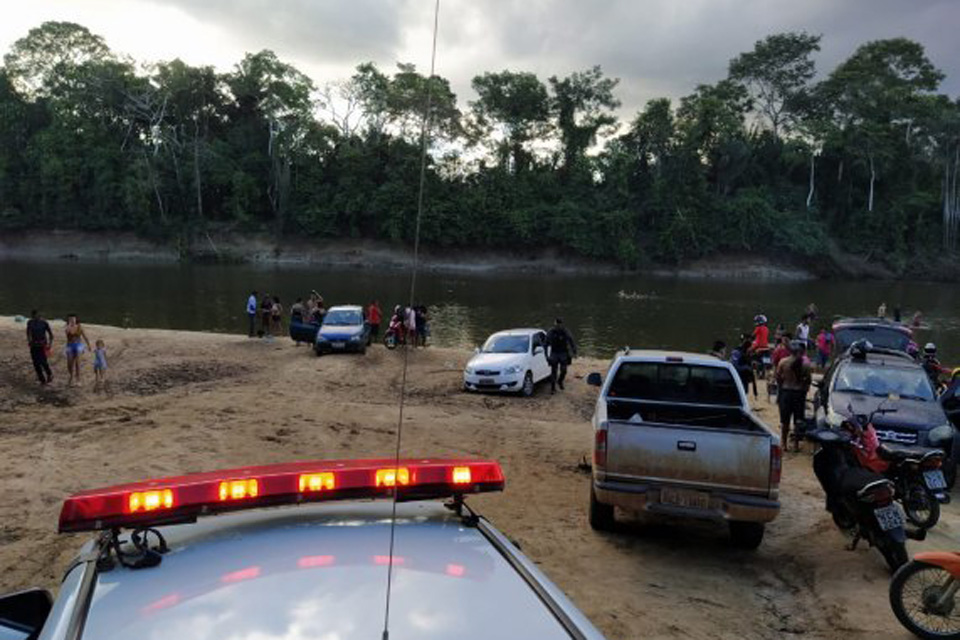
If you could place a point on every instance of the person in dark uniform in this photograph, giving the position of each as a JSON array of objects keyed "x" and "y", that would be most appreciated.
[
  {"x": 40, "y": 339},
  {"x": 562, "y": 350}
]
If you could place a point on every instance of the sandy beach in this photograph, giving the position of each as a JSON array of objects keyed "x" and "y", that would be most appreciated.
[{"x": 179, "y": 402}]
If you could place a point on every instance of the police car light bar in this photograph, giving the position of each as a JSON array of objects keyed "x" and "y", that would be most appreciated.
[{"x": 183, "y": 498}]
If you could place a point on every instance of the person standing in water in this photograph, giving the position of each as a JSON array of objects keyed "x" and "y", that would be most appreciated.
[
  {"x": 562, "y": 351},
  {"x": 40, "y": 339},
  {"x": 76, "y": 339}
]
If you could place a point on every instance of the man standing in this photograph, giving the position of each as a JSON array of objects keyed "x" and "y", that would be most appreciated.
[
  {"x": 374, "y": 316},
  {"x": 40, "y": 339},
  {"x": 794, "y": 379},
  {"x": 562, "y": 350},
  {"x": 252, "y": 311}
]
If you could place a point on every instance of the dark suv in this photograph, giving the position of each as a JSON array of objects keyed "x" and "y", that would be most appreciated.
[{"x": 859, "y": 384}]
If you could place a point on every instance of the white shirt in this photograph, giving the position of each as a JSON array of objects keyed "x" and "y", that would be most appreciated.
[
  {"x": 803, "y": 332},
  {"x": 252, "y": 305}
]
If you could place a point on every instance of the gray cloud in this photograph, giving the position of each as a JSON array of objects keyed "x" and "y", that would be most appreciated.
[{"x": 656, "y": 47}]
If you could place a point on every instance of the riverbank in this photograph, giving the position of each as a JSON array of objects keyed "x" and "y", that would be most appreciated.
[
  {"x": 358, "y": 254},
  {"x": 185, "y": 401}
]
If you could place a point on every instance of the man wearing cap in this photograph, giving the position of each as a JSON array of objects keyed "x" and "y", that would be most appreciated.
[{"x": 562, "y": 350}]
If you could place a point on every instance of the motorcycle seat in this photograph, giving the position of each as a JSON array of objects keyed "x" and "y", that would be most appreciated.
[
  {"x": 854, "y": 479},
  {"x": 899, "y": 453}
]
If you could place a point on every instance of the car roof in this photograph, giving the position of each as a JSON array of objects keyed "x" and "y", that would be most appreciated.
[
  {"x": 321, "y": 571},
  {"x": 345, "y": 307},
  {"x": 516, "y": 332},
  {"x": 873, "y": 323},
  {"x": 658, "y": 355}
]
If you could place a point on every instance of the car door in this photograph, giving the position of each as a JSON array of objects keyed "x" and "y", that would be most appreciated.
[{"x": 540, "y": 366}]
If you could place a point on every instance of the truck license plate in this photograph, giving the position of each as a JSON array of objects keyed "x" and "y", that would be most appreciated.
[
  {"x": 685, "y": 498},
  {"x": 934, "y": 480},
  {"x": 889, "y": 517}
]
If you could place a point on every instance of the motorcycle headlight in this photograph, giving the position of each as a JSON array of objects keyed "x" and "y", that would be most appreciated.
[
  {"x": 834, "y": 419},
  {"x": 940, "y": 436},
  {"x": 513, "y": 370}
]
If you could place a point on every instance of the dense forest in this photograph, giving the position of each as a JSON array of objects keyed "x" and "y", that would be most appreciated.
[{"x": 775, "y": 159}]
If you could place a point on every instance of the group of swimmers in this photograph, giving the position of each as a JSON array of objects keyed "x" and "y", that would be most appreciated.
[{"x": 40, "y": 341}]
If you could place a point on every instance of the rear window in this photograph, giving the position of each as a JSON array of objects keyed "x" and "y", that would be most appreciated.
[
  {"x": 883, "y": 337},
  {"x": 670, "y": 382}
]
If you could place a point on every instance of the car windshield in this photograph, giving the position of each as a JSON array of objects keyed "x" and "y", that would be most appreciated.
[
  {"x": 342, "y": 318},
  {"x": 507, "y": 344},
  {"x": 883, "y": 337},
  {"x": 882, "y": 381}
]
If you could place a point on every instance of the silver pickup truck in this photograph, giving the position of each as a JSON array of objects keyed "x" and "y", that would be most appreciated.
[{"x": 673, "y": 434}]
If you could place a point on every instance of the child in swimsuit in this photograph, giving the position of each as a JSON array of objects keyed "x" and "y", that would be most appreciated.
[{"x": 100, "y": 363}]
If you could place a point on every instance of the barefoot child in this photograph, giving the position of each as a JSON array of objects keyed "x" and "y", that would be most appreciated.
[{"x": 100, "y": 363}]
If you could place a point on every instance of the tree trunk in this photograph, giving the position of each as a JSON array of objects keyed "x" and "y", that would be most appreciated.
[
  {"x": 196, "y": 166},
  {"x": 873, "y": 179},
  {"x": 840, "y": 172},
  {"x": 812, "y": 177}
]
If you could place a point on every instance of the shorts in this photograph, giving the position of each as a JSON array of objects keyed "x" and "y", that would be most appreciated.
[
  {"x": 74, "y": 349},
  {"x": 822, "y": 358},
  {"x": 792, "y": 403}
]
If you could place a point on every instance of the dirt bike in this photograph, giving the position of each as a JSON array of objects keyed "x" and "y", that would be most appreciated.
[
  {"x": 394, "y": 334},
  {"x": 923, "y": 595}
]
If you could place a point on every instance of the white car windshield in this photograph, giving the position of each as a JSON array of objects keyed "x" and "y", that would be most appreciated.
[
  {"x": 342, "y": 318},
  {"x": 884, "y": 381},
  {"x": 507, "y": 344}
]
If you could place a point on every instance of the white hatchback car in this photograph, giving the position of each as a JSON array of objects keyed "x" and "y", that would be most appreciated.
[{"x": 512, "y": 361}]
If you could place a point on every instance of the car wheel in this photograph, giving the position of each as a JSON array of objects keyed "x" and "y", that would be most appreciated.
[
  {"x": 527, "y": 388},
  {"x": 601, "y": 515},
  {"x": 318, "y": 351},
  {"x": 746, "y": 535}
]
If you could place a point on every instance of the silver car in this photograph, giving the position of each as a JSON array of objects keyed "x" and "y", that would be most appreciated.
[{"x": 307, "y": 571}]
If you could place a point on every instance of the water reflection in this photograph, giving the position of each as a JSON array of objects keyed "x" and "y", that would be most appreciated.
[{"x": 669, "y": 313}]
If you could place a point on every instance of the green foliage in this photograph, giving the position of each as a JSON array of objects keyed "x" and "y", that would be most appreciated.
[{"x": 763, "y": 161}]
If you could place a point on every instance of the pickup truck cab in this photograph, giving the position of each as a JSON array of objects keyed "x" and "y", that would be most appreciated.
[{"x": 674, "y": 435}]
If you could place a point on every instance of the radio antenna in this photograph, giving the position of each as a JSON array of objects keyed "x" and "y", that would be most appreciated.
[{"x": 424, "y": 138}]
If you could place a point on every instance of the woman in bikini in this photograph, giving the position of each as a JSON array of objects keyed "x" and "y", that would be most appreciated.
[{"x": 76, "y": 338}]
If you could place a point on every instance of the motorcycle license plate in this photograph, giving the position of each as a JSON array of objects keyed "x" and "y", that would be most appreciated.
[
  {"x": 767, "y": 360},
  {"x": 934, "y": 479},
  {"x": 685, "y": 498},
  {"x": 889, "y": 517}
]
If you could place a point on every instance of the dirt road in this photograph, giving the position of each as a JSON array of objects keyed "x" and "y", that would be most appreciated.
[{"x": 181, "y": 402}]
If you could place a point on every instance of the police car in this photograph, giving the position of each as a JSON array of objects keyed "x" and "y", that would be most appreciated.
[{"x": 159, "y": 567}]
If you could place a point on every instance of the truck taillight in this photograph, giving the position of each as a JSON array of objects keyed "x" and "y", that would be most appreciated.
[
  {"x": 776, "y": 464},
  {"x": 600, "y": 446}
]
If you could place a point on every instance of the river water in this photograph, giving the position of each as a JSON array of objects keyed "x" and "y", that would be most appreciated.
[{"x": 603, "y": 312}]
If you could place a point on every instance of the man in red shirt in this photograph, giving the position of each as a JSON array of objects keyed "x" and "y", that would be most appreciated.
[
  {"x": 373, "y": 318},
  {"x": 761, "y": 334}
]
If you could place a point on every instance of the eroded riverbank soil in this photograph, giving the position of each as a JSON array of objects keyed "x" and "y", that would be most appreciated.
[{"x": 180, "y": 402}]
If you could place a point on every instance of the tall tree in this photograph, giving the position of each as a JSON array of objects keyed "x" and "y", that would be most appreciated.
[
  {"x": 44, "y": 61},
  {"x": 515, "y": 107},
  {"x": 582, "y": 104}
]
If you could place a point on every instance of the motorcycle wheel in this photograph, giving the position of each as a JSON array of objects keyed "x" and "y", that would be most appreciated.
[
  {"x": 895, "y": 553},
  {"x": 914, "y": 592},
  {"x": 921, "y": 508},
  {"x": 390, "y": 341}
]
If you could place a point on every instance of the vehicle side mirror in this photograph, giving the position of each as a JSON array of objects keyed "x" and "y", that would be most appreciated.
[
  {"x": 595, "y": 380},
  {"x": 537, "y": 351},
  {"x": 477, "y": 350},
  {"x": 23, "y": 614}
]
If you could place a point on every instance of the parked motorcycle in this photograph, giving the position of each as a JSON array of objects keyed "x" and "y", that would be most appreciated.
[
  {"x": 923, "y": 595},
  {"x": 394, "y": 334},
  {"x": 915, "y": 471},
  {"x": 861, "y": 501}
]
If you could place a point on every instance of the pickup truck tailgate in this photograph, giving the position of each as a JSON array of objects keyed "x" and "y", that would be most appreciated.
[{"x": 717, "y": 459}]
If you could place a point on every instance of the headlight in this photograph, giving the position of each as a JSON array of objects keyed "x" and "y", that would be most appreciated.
[
  {"x": 468, "y": 371},
  {"x": 355, "y": 338},
  {"x": 513, "y": 370},
  {"x": 322, "y": 338},
  {"x": 940, "y": 436},
  {"x": 834, "y": 419}
]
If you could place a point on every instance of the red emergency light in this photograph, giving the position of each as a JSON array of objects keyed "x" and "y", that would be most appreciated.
[{"x": 183, "y": 498}]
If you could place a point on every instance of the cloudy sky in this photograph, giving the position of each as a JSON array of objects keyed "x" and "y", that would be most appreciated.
[{"x": 656, "y": 47}]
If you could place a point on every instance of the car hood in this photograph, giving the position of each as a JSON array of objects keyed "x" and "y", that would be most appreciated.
[
  {"x": 496, "y": 360},
  {"x": 910, "y": 414},
  {"x": 340, "y": 331}
]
